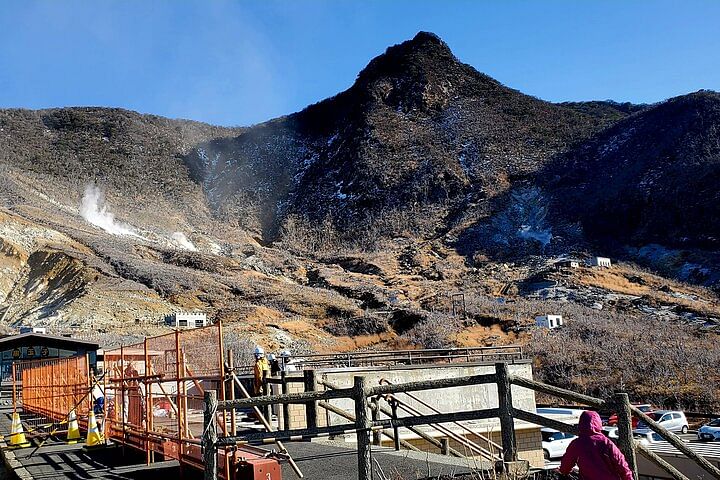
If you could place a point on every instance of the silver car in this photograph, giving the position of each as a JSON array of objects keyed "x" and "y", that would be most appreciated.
[
  {"x": 555, "y": 443},
  {"x": 711, "y": 431},
  {"x": 674, "y": 421}
]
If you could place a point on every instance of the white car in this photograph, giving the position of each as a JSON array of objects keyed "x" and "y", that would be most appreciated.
[
  {"x": 672, "y": 420},
  {"x": 611, "y": 432},
  {"x": 648, "y": 437},
  {"x": 554, "y": 443},
  {"x": 711, "y": 431}
]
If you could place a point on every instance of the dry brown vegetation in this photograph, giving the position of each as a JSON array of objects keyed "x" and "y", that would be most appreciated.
[{"x": 601, "y": 353}]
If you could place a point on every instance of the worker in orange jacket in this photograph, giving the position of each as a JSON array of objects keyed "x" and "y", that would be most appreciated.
[{"x": 261, "y": 364}]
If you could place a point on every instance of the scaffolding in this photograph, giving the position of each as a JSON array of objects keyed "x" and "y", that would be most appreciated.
[{"x": 154, "y": 392}]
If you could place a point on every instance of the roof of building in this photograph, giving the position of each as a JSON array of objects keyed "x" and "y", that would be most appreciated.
[{"x": 49, "y": 340}]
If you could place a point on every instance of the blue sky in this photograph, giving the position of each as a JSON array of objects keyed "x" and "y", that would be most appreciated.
[{"x": 243, "y": 62}]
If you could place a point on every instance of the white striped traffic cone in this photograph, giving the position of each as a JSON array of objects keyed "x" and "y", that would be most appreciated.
[
  {"x": 17, "y": 434},
  {"x": 94, "y": 437},
  {"x": 73, "y": 429}
]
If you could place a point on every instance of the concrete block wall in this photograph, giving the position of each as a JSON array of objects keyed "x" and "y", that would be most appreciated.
[
  {"x": 529, "y": 444},
  {"x": 297, "y": 411},
  {"x": 475, "y": 397}
]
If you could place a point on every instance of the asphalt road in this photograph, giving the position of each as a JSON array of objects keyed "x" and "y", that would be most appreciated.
[{"x": 323, "y": 461}]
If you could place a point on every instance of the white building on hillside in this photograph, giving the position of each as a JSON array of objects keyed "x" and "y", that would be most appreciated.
[
  {"x": 549, "y": 321},
  {"x": 26, "y": 329},
  {"x": 186, "y": 320},
  {"x": 599, "y": 262},
  {"x": 567, "y": 263}
]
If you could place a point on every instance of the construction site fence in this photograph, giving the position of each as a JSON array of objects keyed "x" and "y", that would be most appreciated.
[
  {"x": 154, "y": 392},
  {"x": 49, "y": 389}
]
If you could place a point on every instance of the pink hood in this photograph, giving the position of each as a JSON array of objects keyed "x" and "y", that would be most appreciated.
[
  {"x": 590, "y": 424},
  {"x": 594, "y": 454}
]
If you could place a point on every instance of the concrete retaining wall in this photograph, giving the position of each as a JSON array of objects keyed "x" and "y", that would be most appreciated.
[{"x": 457, "y": 399}]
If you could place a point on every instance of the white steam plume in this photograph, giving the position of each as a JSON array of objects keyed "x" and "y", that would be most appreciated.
[
  {"x": 94, "y": 210},
  {"x": 182, "y": 241}
]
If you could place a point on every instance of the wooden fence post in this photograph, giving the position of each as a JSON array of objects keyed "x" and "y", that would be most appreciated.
[
  {"x": 285, "y": 406},
  {"x": 626, "y": 444},
  {"x": 505, "y": 406},
  {"x": 375, "y": 412},
  {"x": 311, "y": 407},
  {"x": 362, "y": 426},
  {"x": 445, "y": 446},
  {"x": 210, "y": 436},
  {"x": 267, "y": 409},
  {"x": 396, "y": 430}
]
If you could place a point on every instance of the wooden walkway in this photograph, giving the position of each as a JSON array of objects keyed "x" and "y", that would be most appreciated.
[{"x": 57, "y": 460}]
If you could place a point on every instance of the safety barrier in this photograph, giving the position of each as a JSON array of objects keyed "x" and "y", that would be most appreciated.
[
  {"x": 51, "y": 388},
  {"x": 385, "y": 358}
]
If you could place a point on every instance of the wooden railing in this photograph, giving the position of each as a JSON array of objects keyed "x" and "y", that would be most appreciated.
[{"x": 363, "y": 425}]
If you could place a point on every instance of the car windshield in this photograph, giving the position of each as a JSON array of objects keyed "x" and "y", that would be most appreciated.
[{"x": 715, "y": 423}]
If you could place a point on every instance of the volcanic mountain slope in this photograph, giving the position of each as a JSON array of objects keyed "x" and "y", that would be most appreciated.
[
  {"x": 49, "y": 157},
  {"x": 651, "y": 177},
  {"x": 343, "y": 225},
  {"x": 417, "y": 129},
  {"x": 647, "y": 187}
]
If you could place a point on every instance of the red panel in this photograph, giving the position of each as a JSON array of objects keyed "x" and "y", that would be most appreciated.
[{"x": 258, "y": 469}]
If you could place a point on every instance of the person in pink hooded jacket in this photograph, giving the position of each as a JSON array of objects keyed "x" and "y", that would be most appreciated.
[{"x": 596, "y": 456}]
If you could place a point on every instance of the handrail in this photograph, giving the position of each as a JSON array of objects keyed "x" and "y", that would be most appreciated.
[
  {"x": 423, "y": 435},
  {"x": 408, "y": 350},
  {"x": 349, "y": 416},
  {"x": 463, "y": 427},
  {"x": 466, "y": 442},
  {"x": 557, "y": 391}
]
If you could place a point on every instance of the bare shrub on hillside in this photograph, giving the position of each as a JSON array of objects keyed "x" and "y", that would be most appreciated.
[
  {"x": 435, "y": 331},
  {"x": 300, "y": 234},
  {"x": 368, "y": 324},
  {"x": 335, "y": 235},
  {"x": 242, "y": 348},
  {"x": 651, "y": 359}
]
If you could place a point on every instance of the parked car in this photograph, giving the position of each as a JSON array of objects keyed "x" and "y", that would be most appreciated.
[
  {"x": 610, "y": 432},
  {"x": 555, "y": 443},
  {"x": 710, "y": 431},
  {"x": 648, "y": 437},
  {"x": 643, "y": 407},
  {"x": 672, "y": 420}
]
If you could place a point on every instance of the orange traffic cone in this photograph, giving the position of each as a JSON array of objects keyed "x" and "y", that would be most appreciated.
[
  {"x": 94, "y": 437},
  {"x": 73, "y": 429},
  {"x": 17, "y": 434}
]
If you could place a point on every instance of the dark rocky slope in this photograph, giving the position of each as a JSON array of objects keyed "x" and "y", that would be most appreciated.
[{"x": 417, "y": 129}]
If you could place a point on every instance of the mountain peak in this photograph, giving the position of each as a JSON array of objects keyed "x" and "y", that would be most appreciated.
[
  {"x": 404, "y": 74},
  {"x": 427, "y": 37},
  {"x": 426, "y": 51}
]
